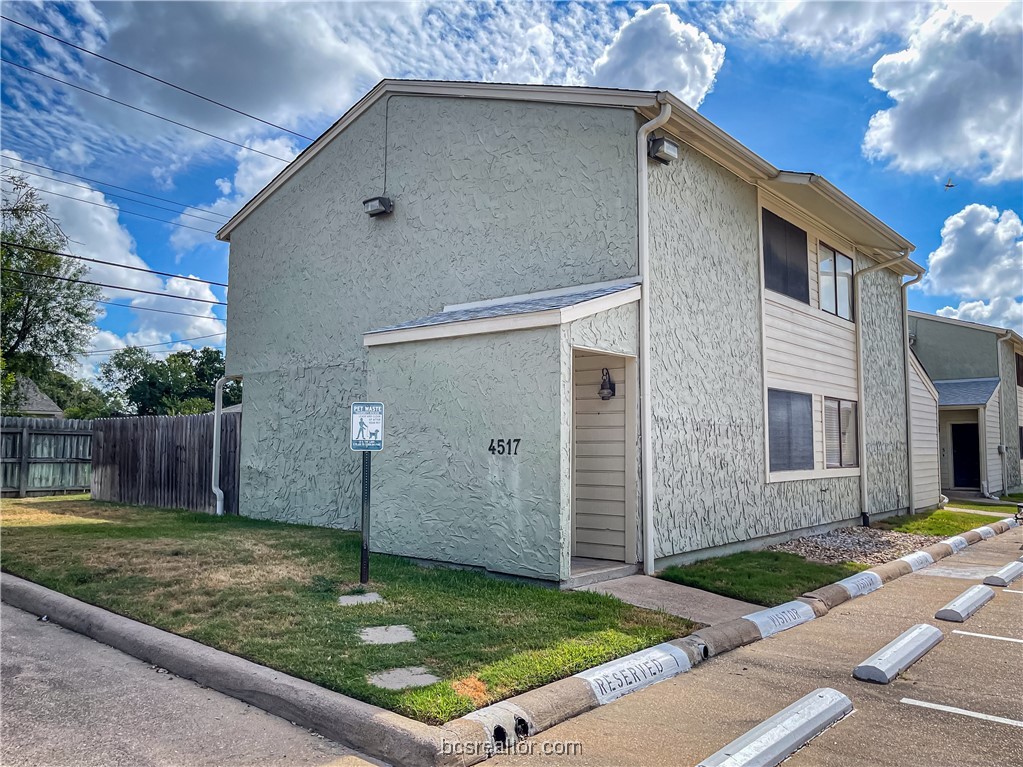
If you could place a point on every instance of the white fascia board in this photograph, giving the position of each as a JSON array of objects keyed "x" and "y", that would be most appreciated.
[
  {"x": 560, "y": 94},
  {"x": 546, "y": 318},
  {"x": 540, "y": 294}
]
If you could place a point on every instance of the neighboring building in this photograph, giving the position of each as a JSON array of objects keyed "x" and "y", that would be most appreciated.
[
  {"x": 32, "y": 403},
  {"x": 978, "y": 371},
  {"x": 534, "y": 254}
]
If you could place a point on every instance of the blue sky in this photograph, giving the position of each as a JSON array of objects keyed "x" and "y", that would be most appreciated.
[{"x": 885, "y": 100}]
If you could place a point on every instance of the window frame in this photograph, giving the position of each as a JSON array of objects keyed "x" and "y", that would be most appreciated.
[
  {"x": 786, "y": 278},
  {"x": 1019, "y": 369},
  {"x": 837, "y": 254},
  {"x": 828, "y": 465},
  {"x": 771, "y": 454}
]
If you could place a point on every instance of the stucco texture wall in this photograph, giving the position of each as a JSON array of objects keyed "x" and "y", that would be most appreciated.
[
  {"x": 438, "y": 491},
  {"x": 492, "y": 198},
  {"x": 884, "y": 390},
  {"x": 1008, "y": 394},
  {"x": 706, "y": 371}
]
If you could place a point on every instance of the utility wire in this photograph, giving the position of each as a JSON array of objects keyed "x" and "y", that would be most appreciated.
[
  {"x": 112, "y": 263},
  {"x": 139, "y": 109},
  {"x": 128, "y": 306},
  {"x": 110, "y": 194},
  {"x": 113, "y": 287},
  {"x": 153, "y": 77},
  {"x": 122, "y": 210},
  {"x": 147, "y": 346},
  {"x": 106, "y": 183}
]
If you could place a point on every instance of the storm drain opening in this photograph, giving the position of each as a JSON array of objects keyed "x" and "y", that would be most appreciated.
[
  {"x": 500, "y": 738},
  {"x": 521, "y": 728}
]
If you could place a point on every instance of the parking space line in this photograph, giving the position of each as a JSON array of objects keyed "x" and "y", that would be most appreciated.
[
  {"x": 1013, "y": 591},
  {"x": 987, "y": 636},
  {"x": 962, "y": 711}
]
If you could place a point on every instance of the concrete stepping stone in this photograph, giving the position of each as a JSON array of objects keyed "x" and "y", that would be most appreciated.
[
  {"x": 387, "y": 635},
  {"x": 359, "y": 599},
  {"x": 400, "y": 678}
]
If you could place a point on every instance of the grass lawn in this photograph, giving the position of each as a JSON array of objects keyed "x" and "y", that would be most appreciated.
[
  {"x": 1013, "y": 497},
  {"x": 999, "y": 509},
  {"x": 268, "y": 592},
  {"x": 943, "y": 523},
  {"x": 766, "y": 578}
]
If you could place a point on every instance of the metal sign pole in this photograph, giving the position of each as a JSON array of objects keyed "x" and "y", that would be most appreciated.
[{"x": 364, "y": 564}]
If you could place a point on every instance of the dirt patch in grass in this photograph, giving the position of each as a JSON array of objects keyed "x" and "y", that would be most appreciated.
[{"x": 268, "y": 592}]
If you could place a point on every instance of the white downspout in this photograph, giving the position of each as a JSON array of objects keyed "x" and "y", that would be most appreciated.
[
  {"x": 646, "y": 417},
  {"x": 218, "y": 406},
  {"x": 909, "y": 394},
  {"x": 861, "y": 419}
]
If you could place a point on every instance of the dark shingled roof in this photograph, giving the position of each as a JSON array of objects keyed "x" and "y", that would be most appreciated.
[
  {"x": 969, "y": 391},
  {"x": 522, "y": 306}
]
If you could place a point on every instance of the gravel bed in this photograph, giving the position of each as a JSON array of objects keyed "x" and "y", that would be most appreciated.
[{"x": 856, "y": 544}]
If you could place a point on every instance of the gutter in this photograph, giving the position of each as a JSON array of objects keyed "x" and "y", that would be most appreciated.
[
  {"x": 860, "y": 410},
  {"x": 218, "y": 407},
  {"x": 646, "y": 416}
]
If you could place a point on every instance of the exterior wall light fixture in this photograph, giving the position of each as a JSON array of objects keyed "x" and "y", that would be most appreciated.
[
  {"x": 663, "y": 150},
  {"x": 607, "y": 386},
  {"x": 377, "y": 206}
]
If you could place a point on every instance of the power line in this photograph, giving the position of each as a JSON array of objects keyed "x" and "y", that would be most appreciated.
[
  {"x": 109, "y": 194},
  {"x": 147, "y": 346},
  {"x": 112, "y": 263},
  {"x": 139, "y": 109},
  {"x": 107, "y": 183},
  {"x": 122, "y": 210},
  {"x": 129, "y": 306},
  {"x": 114, "y": 287},
  {"x": 154, "y": 77}
]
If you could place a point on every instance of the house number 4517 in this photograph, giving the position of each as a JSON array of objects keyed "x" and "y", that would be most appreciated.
[{"x": 504, "y": 446}]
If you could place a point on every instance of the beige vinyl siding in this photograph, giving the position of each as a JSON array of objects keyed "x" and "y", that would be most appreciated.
[
  {"x": 808, "y": 350},
  {"x": 992, "y": 435},
  {"x": 599, "y": 484},
  {"x": 924, "y": 420}
]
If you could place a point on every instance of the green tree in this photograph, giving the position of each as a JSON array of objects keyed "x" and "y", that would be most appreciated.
[{"x": 42, "y": 317}]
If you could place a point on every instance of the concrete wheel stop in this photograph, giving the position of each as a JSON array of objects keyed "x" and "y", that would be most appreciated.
[
  {"x": 899, "y": 654},
  {"x": 966, "y": 604}
]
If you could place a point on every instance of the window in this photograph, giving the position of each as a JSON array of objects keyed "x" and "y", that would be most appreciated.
[
  {"x": 840, "y": 443},
  {"x": 790, "y": 430},
  {"x": 785, "y": 258},
  {"x": 1019, "y": 370},
  {"x": 836, "y": 277}
]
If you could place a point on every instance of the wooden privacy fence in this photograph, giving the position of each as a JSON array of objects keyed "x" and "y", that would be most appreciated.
[
  {"x": 165, "y": 461},
  {"x": 45, "y": 456}
]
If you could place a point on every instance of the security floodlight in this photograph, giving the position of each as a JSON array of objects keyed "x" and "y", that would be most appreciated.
[
  {"x": 377, "y": 206},
  {"x": 663, "y": 150}
]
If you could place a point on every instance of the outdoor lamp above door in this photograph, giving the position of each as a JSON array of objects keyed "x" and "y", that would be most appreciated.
[{"x": 607, "y": 386}]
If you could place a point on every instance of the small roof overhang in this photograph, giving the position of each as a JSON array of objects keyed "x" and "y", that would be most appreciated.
[
  {"x": 535, "y": 310},
  {"x": 966, "y": 392}
]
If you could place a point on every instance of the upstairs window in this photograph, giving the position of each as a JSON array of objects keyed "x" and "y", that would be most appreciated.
[
  {"x": 1019, "y": 370},
  {"x": 841, "y": 448},
  {"x": 790, "y": 430},
  {"x": 785, "y": 258},
  {"x": 836, "y": 278}
]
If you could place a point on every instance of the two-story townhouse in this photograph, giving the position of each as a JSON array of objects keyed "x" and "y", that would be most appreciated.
[
  {"x": 978, "y": 372},
  {"x": 606, "y": 334}
]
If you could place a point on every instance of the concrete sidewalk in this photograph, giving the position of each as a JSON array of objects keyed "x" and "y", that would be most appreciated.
[
  {"x": 68, "y": 700},
  {"x": 676, "y": 599}
]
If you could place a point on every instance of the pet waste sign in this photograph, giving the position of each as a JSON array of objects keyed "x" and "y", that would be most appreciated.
[{"x": 367, "y": 426}]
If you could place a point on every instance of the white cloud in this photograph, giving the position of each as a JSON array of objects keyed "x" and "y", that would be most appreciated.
[
  {"x": 1000, "y": 312},
  {"x": 958, "y": 93},
  {"x": 980, "y": 263},
  {"x": 981, "y": 255},
  {"x": 835, "y": 31},
  {"x": 656, "y": 50}
]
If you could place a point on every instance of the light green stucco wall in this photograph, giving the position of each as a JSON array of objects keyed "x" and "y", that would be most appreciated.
[
  {"x": 492, "y": 198},
  {"x": 439, "y": 493},
  {"x": 950, "y": 351}
]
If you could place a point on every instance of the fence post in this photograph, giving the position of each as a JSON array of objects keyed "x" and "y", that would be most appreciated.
[{"x": 26, "y": 440}]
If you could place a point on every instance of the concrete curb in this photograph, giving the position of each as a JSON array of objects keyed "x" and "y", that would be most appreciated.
[
  {"x": 899, "y": 654},
  {"x": 777, "y": 738}
]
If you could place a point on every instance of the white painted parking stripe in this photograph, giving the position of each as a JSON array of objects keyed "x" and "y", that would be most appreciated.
[
  {"x": 1012, "y": 591},
  {"x": 963, "y": 711},
  {"x": 987, "y": 636}
]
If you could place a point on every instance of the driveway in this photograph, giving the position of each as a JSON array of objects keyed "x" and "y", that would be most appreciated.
[
  {"x": 977, "y": 674},
  {"x": 71, "y": 702}
]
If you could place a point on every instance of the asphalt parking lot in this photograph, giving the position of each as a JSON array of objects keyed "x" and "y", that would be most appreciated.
[{"x": 685, "y": 720}]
